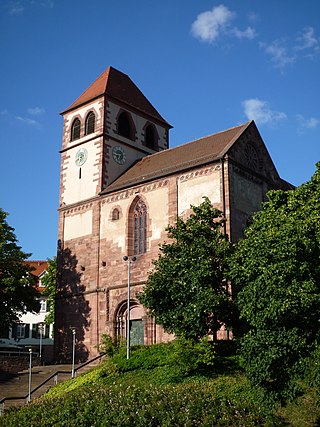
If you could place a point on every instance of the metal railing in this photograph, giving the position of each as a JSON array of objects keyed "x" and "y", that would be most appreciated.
[{"x": 53, "y": 376}]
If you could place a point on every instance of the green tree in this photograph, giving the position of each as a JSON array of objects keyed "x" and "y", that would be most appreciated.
[
  {"x": 276, "y": 270},
  {"x": 49, "y": 281},
  {"x": 186, "y": 292},
  {"x": 17, "y": 292}
]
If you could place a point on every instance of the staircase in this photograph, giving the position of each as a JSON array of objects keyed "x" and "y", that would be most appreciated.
[{"x": 14, "y": 390}]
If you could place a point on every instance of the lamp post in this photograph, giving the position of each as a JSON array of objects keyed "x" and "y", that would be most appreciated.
[
  {"x": 73, "y": 351},
  {"x": 41, "y": 337},
  {"x": 30, "y": 375},
  {"x": 128, "y": 260}
]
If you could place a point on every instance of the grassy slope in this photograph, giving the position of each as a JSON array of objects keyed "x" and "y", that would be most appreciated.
[{"x": 154, "y": 388}]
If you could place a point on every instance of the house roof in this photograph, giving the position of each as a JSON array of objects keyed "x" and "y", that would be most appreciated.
[
  {"x": 38, "y": 267},
  {"x": 194, "y": 153},
  {"x": 118, "y": 86}
]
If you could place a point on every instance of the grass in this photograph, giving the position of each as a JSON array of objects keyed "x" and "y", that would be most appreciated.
[{"x": 155, "y": 387}]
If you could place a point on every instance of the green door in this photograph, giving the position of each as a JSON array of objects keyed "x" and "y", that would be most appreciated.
[{"x": 136, "y": 332}]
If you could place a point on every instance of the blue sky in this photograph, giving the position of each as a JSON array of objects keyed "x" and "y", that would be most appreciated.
[{"x": 205, "y": 65}]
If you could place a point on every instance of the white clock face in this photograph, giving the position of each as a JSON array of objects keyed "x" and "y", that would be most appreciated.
[
  {"x": 81, "y": 157},
  {"x": 119, "y": 155}
]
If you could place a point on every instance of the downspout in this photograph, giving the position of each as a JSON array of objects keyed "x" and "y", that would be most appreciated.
[
  {"x": 222, "y": 160},
  {"x": 177, "y": 195},
  {"x": 98, "y": 274}
]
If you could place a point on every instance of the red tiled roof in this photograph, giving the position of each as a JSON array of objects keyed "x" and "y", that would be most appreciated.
[
  {"x": 195, "y": 153},
  {"x": 39, "y": 267},
  {"x": 118, "y": 86}
]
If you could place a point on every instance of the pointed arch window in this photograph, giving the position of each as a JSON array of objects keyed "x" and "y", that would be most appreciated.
[
  {"x": 140, "y": 228},
  {"x": 90, "y": 122},
  {"x": 75, "y": 130}
]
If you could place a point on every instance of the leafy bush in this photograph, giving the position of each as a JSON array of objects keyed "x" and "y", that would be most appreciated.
[
  {"x": 191, "y": 356},
  {"x": 144, "y": 357},
  {"x": 110, "y": 347},
  {"x": 225, "y": 402},
  {"x": 160, "y": 392}
]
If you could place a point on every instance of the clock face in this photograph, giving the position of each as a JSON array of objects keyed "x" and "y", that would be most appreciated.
[
  {"x": 81, "y": 157},
  {"x": 118, "y": 154}
]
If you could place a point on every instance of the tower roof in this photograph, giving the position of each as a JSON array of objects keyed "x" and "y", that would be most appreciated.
[{"x": 120, "y": 87}]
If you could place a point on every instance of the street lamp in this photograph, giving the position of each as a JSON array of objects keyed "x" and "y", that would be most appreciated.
[
  {"x": 30, "y": 374},
  {"x": 73, "y": 351},
  {"x": 41, "y": 336},
  {"x": 129, "y": 261}
]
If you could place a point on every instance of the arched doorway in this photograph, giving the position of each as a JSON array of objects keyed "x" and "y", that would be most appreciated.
[{"x": 136, "y": 322}]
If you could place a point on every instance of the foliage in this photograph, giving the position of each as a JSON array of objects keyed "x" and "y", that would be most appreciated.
[
  {"x": 49, "y": 280},
  {"x": 17, "y": 291},
  {"x": 223, "y": 401},
  {"x": 111, "y": 347},
  {"x": 155, "y": 396},
  {"x": 118, "y": 405},
  {"x": 276, "y": 270},
  {"x": 186, "y": 292},
  {"x": 191, "y": 356},
  {"x": 186, "y": 355}
]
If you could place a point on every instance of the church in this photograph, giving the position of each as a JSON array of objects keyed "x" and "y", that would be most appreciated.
[{"x": 120, "y": 186}]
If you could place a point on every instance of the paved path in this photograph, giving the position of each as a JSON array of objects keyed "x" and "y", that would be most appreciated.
[{"x": 18, "y": 385}]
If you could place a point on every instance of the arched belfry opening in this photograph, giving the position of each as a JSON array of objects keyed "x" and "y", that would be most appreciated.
[
  {"x": 151, "y": 137},
  {"x": 125, "y": 125},
  {"x": 136, "y": 322}
]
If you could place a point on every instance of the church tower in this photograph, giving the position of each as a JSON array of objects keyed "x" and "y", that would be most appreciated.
[
  {"x": 110, "y": 127},
  {"x": 106, "y": 130}
]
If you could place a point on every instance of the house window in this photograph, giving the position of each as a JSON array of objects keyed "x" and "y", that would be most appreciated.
[
  {"x": 140, "y": 228},
  {"x": 125, "y": 125},
  {"x": 90, "y": 120},
  {"x": 43, "y": 306},
  {"x": 4, "y": 331},
  {"x": 75, "y": 130},
  {"x": 21, "y": 331},
  {"x": 38, "y": 329}
]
